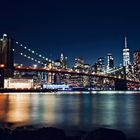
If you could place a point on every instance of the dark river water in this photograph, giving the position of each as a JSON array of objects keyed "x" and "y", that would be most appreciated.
[{"x": 77, "y": 111}]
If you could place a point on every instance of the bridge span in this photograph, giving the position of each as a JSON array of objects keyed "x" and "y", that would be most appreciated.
[{"x": 9, "y": 48}]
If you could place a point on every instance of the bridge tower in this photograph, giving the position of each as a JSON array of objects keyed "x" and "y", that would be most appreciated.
[
  {"x": 1, "y": 76},
  {"x": 121, "y": 84},
  {"x": 6, "y": 57}
]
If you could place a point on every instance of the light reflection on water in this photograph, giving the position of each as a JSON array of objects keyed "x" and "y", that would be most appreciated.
[{"x": 73, "y": 111}]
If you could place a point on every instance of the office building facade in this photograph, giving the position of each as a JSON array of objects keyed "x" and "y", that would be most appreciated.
[
  {"x": 110, "y": 61},
  {"x": 136, "y": 64},
  {"x": 126, "y": 55}
]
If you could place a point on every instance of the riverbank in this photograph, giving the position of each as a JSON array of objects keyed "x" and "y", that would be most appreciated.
[
  {"x": 4, "y": 90},
  {"x": 50, "y": 133}
]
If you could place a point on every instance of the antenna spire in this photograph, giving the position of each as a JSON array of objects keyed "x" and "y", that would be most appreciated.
[{"x": 125, "y": 42}]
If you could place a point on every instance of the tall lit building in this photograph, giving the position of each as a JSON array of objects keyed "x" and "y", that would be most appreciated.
[
  {"x": 136, "y": 57},
  {"x": 78, "y": 67},
  {"x": 61, "y": 57},
  {"x": 126, "y": 55},
  {"x": 110, "y": 61},
  {"x": 63, "y": 61},
  {"x": 79, "y": 63},
  {"x": 99, "y": 66},
  {"x": 136, "y": 62}
]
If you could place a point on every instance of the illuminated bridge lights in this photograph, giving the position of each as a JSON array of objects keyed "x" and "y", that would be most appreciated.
[
  {"x": 44, "y": 69},
  {"x": 33, "y": 52},
  {"x": 2, "y": 66},
  {"x": 31, "y": 58}
]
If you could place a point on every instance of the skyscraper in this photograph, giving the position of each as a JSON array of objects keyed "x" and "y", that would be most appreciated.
[
  {"x": 63, "y": 61},
  {"x": 79, "y": 64},
  {"x": 110, "y": 61},
  {"x": 99, "y": 65},
  {"x": 136, "y": 57},
  {"x": 126, "y": 55},
  {"x": 136, "y": 62},
  {"x": 61, "y": 57},
  {"x": 78, "y": 67}
]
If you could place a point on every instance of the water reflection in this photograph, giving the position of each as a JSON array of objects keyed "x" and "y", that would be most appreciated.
[
  {"x": 3, "y": 106},
  {"x": 18, "y": 108},
  {"x": 73, "y": 111}
]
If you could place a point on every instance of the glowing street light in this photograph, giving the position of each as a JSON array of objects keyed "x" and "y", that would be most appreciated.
[
  {"x": 35, "y": 65},
  {"x": 2, "y": 66}
]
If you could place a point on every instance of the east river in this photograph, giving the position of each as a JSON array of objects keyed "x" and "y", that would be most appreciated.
[{"x": 79, "y": 111}]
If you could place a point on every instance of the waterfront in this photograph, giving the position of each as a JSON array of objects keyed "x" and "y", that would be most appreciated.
[{"x": 72, "y": 111}]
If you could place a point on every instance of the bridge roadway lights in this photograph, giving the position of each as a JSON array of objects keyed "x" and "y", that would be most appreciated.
[{"x": 120, "y": 84}]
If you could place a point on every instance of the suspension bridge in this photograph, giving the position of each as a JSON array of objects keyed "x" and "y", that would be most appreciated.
[{"x": 45, "y": 73}]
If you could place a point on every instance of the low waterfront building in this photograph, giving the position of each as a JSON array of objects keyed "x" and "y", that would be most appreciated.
[{"x": 18, "y": 83}]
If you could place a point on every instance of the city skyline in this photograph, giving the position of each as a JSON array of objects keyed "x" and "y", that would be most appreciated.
[
  {"x": 108, "y": 60},
  {"x": 60, "y": 72},
  {"x": 126, "y": 60}
]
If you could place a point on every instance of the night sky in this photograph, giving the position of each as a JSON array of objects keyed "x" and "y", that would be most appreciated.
[{"x": 86, "y": 28}]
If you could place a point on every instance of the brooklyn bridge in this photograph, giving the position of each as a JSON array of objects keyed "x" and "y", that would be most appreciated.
[{"x": 45, "y": 72}]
